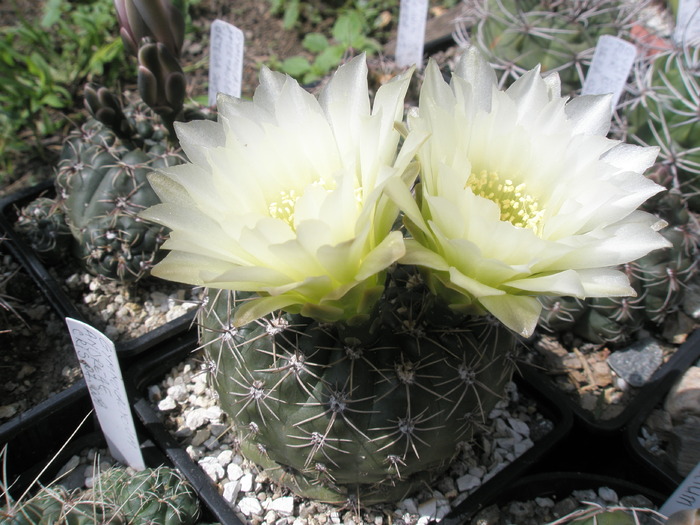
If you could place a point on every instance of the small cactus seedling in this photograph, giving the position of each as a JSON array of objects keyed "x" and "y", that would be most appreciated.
[{"x": 42, "y": 222}]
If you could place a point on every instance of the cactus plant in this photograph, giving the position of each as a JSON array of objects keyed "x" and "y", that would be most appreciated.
[
  {"x": 42, "y": 222},
  {"x": 661, "y": 280},
  {"x": 101, "y": 184},
  {"x": 350, "y": 375},
  {"x": 119, "y": 497},
  {"x": 666, "y": 113},
  {"x": 155, "y": 495},
  {"x": 370, "y": 411},
  {"x": 561, "y": 35},
  {"x": 101, "y": 181}
]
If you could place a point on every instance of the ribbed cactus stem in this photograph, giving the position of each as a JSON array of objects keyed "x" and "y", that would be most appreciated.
[{"x": 369, "y": 412}]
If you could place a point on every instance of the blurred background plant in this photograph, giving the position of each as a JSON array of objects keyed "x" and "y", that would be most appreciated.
[
  {"x": 344, "y": 27},
  {"x": 44, "y": 65}
]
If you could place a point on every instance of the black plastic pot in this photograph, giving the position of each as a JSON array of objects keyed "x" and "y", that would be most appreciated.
[
  {"x": 53, "y": 290},
  {"x": 555, "y": 485},
  {"x": 656, "y": 466},
  {"x": 643, "y": 397},
  {"x": 152, "y": 368}
]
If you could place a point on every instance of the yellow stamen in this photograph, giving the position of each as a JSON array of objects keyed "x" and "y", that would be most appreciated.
[{"x": 517, "y": 206}]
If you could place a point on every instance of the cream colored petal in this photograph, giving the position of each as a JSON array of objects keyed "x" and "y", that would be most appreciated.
[
  {"x": 197, "y": 137},
  {"x": 590, "y": 114},
  {"x": 567, "y": 283},
  {"x": 517, "y": 312}
]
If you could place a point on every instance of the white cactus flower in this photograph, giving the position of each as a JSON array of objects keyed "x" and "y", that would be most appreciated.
[
  {"x": 283, "y": 196},
  {"x": 521, "y": 194}
]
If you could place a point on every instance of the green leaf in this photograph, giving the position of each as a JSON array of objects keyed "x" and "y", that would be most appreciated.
[
  {"x": 52, "y": 13},
  {"x": 329, "y": 58},
  {"x": 347, "y": 28},
  {"x": 291, "y": 14},
  {"x": 296, "y": 66},
  {"x": 315, "y": 42}
]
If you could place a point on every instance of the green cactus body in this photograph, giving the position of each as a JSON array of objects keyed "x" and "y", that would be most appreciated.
[
  {"x": 42, "y": 223},
  {"x": 156, "y": 495},
  {"x": 667, "y": 114},
  {"x": 55, "y": 506},
  {"x": 102, "y": 184},
  {"x": 560, "y": 35},
  {"x": 365, "y": 411}
]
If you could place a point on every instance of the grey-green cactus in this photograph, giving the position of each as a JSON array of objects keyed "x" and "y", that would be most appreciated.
[
  {"x": 661, "y": 281},
  {"x": 666, "y": 113},
  {"x": 150, "y": 496},
  {"x": 561, "y": 35},
  {"x": 42, "y": 223},
  {"x": 368, "y": 411},
  {"x": 120, "y": 497},
  {"x": 101, "y": 183}
]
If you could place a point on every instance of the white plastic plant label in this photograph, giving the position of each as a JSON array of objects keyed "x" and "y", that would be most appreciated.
[
  {"x": 687, "y": 28},
  {"x": 410, "y": 39},
  {"x": 98, "y": 360},
  {"x": 686, "y": 496},
  {"x": 225, "y": 60},
  {"x": 611, "y": 65}
]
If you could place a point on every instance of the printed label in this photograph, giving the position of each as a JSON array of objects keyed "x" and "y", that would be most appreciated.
[
  {"x": 98, "y": 360},
  {"x": 686, "y": 496},
  {"x": 687, "y": 28},
  {"x": 410, "y": 39},
  {"x": 612, "y": 62},
  {"x": 225, "y": 60}
]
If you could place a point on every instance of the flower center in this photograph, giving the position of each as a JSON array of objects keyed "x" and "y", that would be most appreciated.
[
  {"x": 283, "y": 207},
  {"x": 517, "y": 206}
]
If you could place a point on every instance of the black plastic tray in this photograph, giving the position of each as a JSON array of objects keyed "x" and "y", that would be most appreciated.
[
  {"x": 557, "y": 485},
  {"x": 685, "y": 357},
  {"x": 153, "y": 367},
  {"x": 53, "y": 290}
]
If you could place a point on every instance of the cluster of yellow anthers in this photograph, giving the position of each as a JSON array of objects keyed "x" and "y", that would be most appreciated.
[{"x": 505, "y": 195}]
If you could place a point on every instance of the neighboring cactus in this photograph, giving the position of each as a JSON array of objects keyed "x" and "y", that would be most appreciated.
[
  {"x": 101, "y": 183},
  {"x": 42, "y": 222},
  {"x": 561, "y": 35},
  {"x": 120, "y": 497},
  {"x": 157, "y": 495},
  {"x": 57, "y": 506},
  {"x": 371, "y": 411},
  {"x": 666, "y": 113},
  {"x": 661, "y": 280},
  {"x": 594, "y": 514}
]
